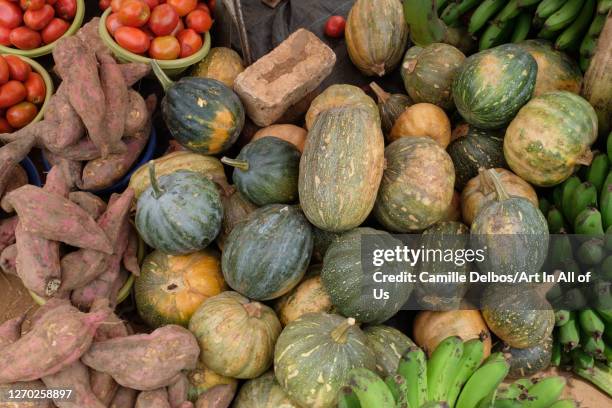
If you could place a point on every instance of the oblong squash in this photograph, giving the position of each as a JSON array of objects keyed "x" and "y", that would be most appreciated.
[{"x": 338, "y": 96}]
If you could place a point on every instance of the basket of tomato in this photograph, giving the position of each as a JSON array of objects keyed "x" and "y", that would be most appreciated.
[
  {"x": 25, "y": 88},
  {"x": 173, "y": 32},
  {"x": 30, "y": 28}
]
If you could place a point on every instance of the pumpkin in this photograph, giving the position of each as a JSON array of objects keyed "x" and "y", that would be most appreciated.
[
  {"x": 430, "y": 328},
  {"x": 443, "y": 236},
  {"x": 341, "y": 168},
  {"x": 492, "y": 85},
  {"x": 339, "y": 96},
  {"x": 236, "y": 208},
  {"x": 453, "y": 212},
  {"x": 236, "y": 335},
  {"x": 263, "y": 392},
  {"x": 528, "y": 361},
  {"x": 267, "y": 255},
  {"x": 222, "y": 64},
  {"x": 550, "y": 137},
  {"x": 423, "y": 119},
  {"x": 179, "y": 213},
  {"x": 290, "y": 133},
  {"x": 556, "y": 70},
  {"x": 376, "y": 35},
  {"x": 390, "y": 106},
  {"x": 428, "y": 73},
  {"x": 202, "y": 378},
  {"x": 266, "y": 171},
  {"x": 479, "y": 191},
  {"x": 314, "y": 354},
  {"x": 307, "y": 297},
  {"x": 351, "y": 285},
  {"x": 208, "y": 166},
  {"x": 322, "y": 240},
  {"x": 202, "y": 114},
  {"x": 471, "y": 149},
  {"x": 170, "y": 288},
  {"x": 417, "y": 185},
  {"x": 388, "y": 345}
]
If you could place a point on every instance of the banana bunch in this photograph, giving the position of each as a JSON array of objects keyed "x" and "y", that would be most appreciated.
[{"x": 544, "y": 392}]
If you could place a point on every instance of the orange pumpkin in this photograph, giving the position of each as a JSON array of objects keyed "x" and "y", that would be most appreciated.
[
  {"x": 423, "y": 119},
  {"x": 289, "y": 133}
]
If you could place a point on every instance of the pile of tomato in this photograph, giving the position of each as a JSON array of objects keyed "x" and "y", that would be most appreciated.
[
  {"x": 28, "y": 24},
  {"x": 160, "y": 29}
]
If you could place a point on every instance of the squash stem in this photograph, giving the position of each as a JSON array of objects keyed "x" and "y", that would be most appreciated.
[
  {"x": 340, "y": 333},
  {"x": 239, "y": 164},
  {"x": 253, "y": 309},
  {"x": 502, "y": 194},
  {"x": 157, "y": 191},
  {"x": 425, "y": 26},
  {"x": 380, "y": 93},
  {"x": 163, "y": 79}
]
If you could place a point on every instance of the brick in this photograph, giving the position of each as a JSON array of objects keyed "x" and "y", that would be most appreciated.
[{"x": 284, "y": 76}]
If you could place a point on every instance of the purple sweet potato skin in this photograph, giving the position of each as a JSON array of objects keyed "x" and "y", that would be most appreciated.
[
  {"x": 134, "y": 72},
  {"x": 7, "y": 231},
  {"x": 116, "y": 95},
  {"x": 65, "y": 127},
  {"x": 153, "y": 399},
  {"x": 146, "y": 361},
  {"x": 10, "y": 156},
  {"x": 178, "y": 391},
  {"x": 136, "y": 114},
  {"x": 124, "y": 398},
  {"x": 130, "y": 256},
  {"x": 91, "y": 203},
  {"x": 76, "y": 378},
  {"x": 8, "y": 260},
  {"x": 54, "y": 304},
  {"x": 28, "y": 385},
  {"x": 219, "y": 396},
  {"x": 71, "y": 168},
  {"x": 17, "y": 179},
  {"x": 10, "y": 331}
]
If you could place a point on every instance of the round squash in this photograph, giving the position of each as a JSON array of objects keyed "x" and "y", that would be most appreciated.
[
  {"x": 376, "y": 35},
  {"x": 417, "y": 185},
  {"x": 351, "y": 286},
  {"x": 289, "y": 133},
  {"x": 236, "y": 209},
  {"x": 203, "y": 378},
  {"x": 314, "y": 355},
  {"x": 528, "y": 361},
  {"x": 222, "y": 64},
  {"x": 322, "y": 240},
  {"x": 179, "y": 213},
  {"x": 388, "y": 345},
  {"x": 170, "y": 288},
  {"x": 236, "y": 336},
  {"x": 428, "y": 73},
  {"x": 479, "y": 191},
  {"x": 492, "y": 85},
  {"x": 423, "y": 119},
  {"x": 266, "y": 171},
  {"x": 267, "y": 255},
  {"x": 341, "y": 168},
  {"x": 430, "y": 328},
  {"x": 339, "y": 96},
  {"x": 471, "y": 149},
  {"x": 453, "y": 212},
  {"x": 556, "y": 70},
  {"x": 390, "y": 106},
  {"x": 263, "y": 392},
  {"x": 550, "y": 137}
]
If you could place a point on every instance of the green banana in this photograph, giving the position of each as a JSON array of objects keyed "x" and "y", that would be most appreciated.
[
  {"x": 585, "y": 195},
  {"x": 555, "y": 220},
  {"x": 347, "y": 398},
  {"x": 544, "y": 205},
  {"x": 575, "y": 31},
  {"x": 454, "y": 10},
  {"x": 413, "y": 368},
  {"x": 593, "y": 346},
  {"x": 591, "y": 323},
  {"x": 608, "y": 353},
  {"x": 441, "y": 367},
  {"x": 589, "y": 43},
  {"x": 561, "y": 317},
  {"x": 600, "y": 375},
  {"x": 560, "y": 250},
  {"x": 584, "y": 62},
  {"x": 483, "y": 13},
  {"x": 564, "y": 16},
  {"x": 545, "y": 392},
  {"x": 598, "y": 170},
  {"x": 528, "y": 3},
  {"x": 608, "y": 239},
  {"x": 606, "y": 206},
  {"x": 522, "y": 25},
  {"x": 564, "y": 403},
  {"x": 441, "y": 4},
  {"x": 604, "y": 6},
  {"x": 507, "y": 403},
  {"x": 574, "y": 299},
  {"x": 398, "y": 387},
  {"x": 587, "y": 46},
  {"x": 495, "y": 34},
  {"x": 547, "y": 34},
  {"x": 484, "y": 381},
  {"x": 510, "y": 10},
  {"x": 435, "y": 404},
  {"x": 555, "y": 358},
  {"x": 609, "y": 146},
  {"x": 473, "y": 352},
  {"x": 370, "y": 389},
  {"x": 568, "y": 188},
  {"x": 547, "y": 7},
  {"x": 569, "y": 334},
  {"x": 591, "y": 252},
  {"x": 582, "y": 359},
  {"x": 557, "y": 196},
  {"x": 589, "y": 222},
  {"x": 606, "y": 265}
]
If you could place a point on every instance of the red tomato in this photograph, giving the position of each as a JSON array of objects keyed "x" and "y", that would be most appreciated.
[
  {"x": 12, "y": 93},
  {"x": 19, "y": 70},
  {"x": 116, "y": 5},
  {"x": 5, "y": 127},
  {"x": 203, "y": 6},
  {"x": 4, "y": 71},
  {"x": 183, "y": 7},
  {"x": 113, "y": 23},
  {"x": 32, "y": 4},
  {"x": 166, "y": 47},
  {"x": 104, "y": 4},
  {"x": 335, "y": 26},
  {"x": 179, "y": 27},
  {"x": 190, "y": 42},
  {"x": 54, "y": 30},
  {"x": 66, "y": 9},
  {"x": 199, "y": 21},
  {"x": 10, "y": 14},
  {"x": 212, "y": 4},
  {"x": 148, "y": 32},
  {"x": 133, "y": 39},
  {"x": 51, "y": 2},
  {"x": 38, "y": 19},
  {"x": 163, "y": 19},
  {"x": 25, "y": 38},
  {"x": 35, "y": 88},
  {"x": 151, "y": 3},
  {"x": 134, "y": 13},
  {"x": 21, "y": 114},
  {"x": 5, "y": 34}
]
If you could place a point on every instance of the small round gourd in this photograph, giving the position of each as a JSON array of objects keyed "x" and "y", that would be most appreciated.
[
  {"x": 222, "y": 64},
  {"x": 389, "y": 345},
  {"x": 423, "y": 119},
  {"x": 290, "y": 133},
  {"x": 526, "y": 362},
  {"x": 202, "y": 378},
  {"x": 263, "y": 392}
]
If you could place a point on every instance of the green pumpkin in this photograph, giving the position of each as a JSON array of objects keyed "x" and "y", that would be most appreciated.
[
  {"x": 339, "y": 96},
  {"x": 492, "y": 85},
  {"x": 202, "y": 114},
  {"x": 266, "y": 171},
  {"x": 179, "y": 213},
  {"x": 388, "y": 345},
  {"x": 417, "y": 185},
  {"x": 528, "y": 361},
  {"x": 322, "y": 240},
  {"x": 267, "y": 255},
  {"x": 341, "y": 168},
  {"x": 473, "y": 149},
  {"x": 428, "y": 73},
  {"x": 314, "y": 355},
  {"x": 351, "y": 286},
  {"x": 263, "y": 392},
  {"x": 390, "y": 106},
  {"x": 550, "y": 137},
  {"x": 236, "y": 208}
]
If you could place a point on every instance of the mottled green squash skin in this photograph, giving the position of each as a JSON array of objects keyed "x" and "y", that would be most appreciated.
[
  {"x": 203, "y": 114},
  {"x": 492, "y": 85},
  {"x": 263, "y": 392},
  {"x": 267, "y": 255},
  {"x": 428, "y": 73},
  {"x": 549, "y": 137},
  {"x": 389, "y": 345},
  {"x": 417, "y": 185},
  {"x": 341, "y": 168},
  {"x": 528, "y": 361},
  {"x": 266, "y": 171},
  {"x": 314, "y": 355},
  {"x": 185, "y": 218},
  {"x": 350, "y": 286}
]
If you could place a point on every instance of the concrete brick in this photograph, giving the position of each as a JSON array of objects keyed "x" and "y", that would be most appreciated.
[{"x": 284, "y": 76}]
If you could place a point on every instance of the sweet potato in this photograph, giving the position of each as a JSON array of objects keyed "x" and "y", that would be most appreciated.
[
  {"x": 63, "y": 125},
  {"x": 145, "y": 361},
  {"x": 10, "y": 331},
  {"x": 57, "y": 218},
  {"x": 112, "y": 327},
  {"x": 134, "y": 72},
  {"x": 178, "y": 391},
  {"x": 55, "y": 305},
  {"x": 10, "y": 156},
  {"x": 116, "y": 96},
  {"x": 27, "y": 385},
  {"x": 219, "y": 396},
  {"x": 187, "y": 404},
  {"x": 8, "y": 260},
  {"x": 130, "y": 256},
  {"x": 136, "y": 114},
  {"x": 55, "y": 341},
  {"x": 90, "y": 36},
  {"x": 153, "y": 399},
  {"x": 76, "y": 378},
  {"x": 71, "y": 168},
  {"x": 103, "y": 386},
  {"x": 91, "y": 203},
  {"x": 7, "y": 231},
  {"x": 18, "y": 178},
  {"x": 124, "y": 398},
  {"x": 82, "y": 150}
]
